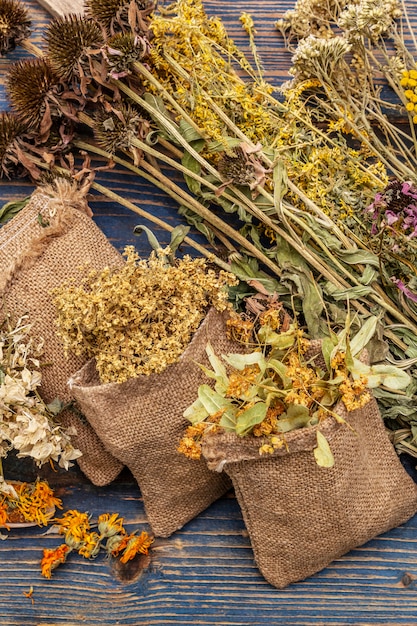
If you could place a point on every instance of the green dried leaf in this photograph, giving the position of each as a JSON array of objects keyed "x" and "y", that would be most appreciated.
[
  {"x": 388, "y": 375},
  {"x": 296, "y": 416},
  {"x": 353, "y": 293},
  {"x": 218, "y": 373},
  {"x": 153, "y": 241},
  {"x": 280, "y": 369},
  {"x": 10, "y": 209},
  {"x": 196, "y": 412},
  {"x": 191, "y": 135},
  {"x": 240, "y": 361},
  {"x": 194, "y": 166},
  {"x": 250, "y": 418},
  {"x": 177, "y": 237},
  {"x": 278, "y": 341},
  {"x": 213, "y": 401},
  {"x": 359, "y": 257},
  {"x": 364, "y": 335},
  {"x": 323, "y": 454}
]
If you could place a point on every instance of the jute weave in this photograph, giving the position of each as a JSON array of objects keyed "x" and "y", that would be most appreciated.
[
  {"x": 300, "y": 517},
  {"x": 141, "y": 423},
  {"x": 51, "y": 239}
]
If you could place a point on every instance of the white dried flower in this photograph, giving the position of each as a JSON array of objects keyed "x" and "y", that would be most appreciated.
[
  {"x": 27, "y": 424},
  {"x": 318, "y": 57},
  {"x": 369, "y": 18}
]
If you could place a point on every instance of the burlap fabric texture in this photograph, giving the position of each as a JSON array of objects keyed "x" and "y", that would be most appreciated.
[
  {"x": 141, "y": 423},
  {"x": 51, "y": 239},
  {"x": 299, "y": 516}
]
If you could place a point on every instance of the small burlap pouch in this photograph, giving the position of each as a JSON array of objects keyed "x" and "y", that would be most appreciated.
[
  {"x": 51, "y": 239},
  {"x": 299, "y": 516},
  {"x": 141, "y": 423}
]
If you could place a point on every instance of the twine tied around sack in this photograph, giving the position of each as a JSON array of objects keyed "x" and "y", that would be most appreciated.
[{"x": 54, "y": 199}]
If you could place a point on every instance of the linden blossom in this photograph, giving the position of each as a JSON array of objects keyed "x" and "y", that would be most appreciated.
[{"x": 286, "y": 383}]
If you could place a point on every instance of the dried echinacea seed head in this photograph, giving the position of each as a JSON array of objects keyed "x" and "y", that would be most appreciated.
[
  {"x": 29, "y": 85},
  {"x": 12, "y": 129},
  {"x": 122, "y": 15},
  {"x": 14, "y": 25},
  {"x": 71, "y": 42}
]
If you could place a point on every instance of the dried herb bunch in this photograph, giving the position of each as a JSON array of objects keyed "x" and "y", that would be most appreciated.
[
  {"x": 27, "y": 424},
  {"x": 140, "y": 318},
  {"x": 285, "y": 383}
]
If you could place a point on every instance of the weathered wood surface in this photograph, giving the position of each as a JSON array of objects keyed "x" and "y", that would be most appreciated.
[{"x": 205, "y": 573}]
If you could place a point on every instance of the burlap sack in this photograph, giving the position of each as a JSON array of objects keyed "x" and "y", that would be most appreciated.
[
  {"x": 299, "y": 516},
  {"x": 141, "y": 423},
  {"x": 51, "y": 239}
]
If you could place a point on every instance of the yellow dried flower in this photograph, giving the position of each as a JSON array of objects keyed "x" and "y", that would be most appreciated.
[{"x": 140, "y": 318}]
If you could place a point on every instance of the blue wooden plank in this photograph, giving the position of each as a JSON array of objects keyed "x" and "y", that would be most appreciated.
[{"x": 204, "y": 573}]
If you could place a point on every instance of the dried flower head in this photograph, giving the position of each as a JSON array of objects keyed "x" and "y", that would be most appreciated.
[
  {"x": 309, "y": 17},
  {"x": 79, "y": 536},
  {"x": 52, "y": 558},
  {"x": 14, "y": 25},
  {"x": 12, "y": 132},
  {"x": 122, "y": 15},
  {"x": 122, "y": 51},
  {"x": 242, "y": 167},
  {"x": 71, "y": 42},
  {"x": 29, "y": 502},
  {"x": 318, "y": 57},
  {"x": 32, "y": 86},
  {"x": 114, "y": 129},
  {"x": 140, "y": 318},
  {"x": 369, "y": 18}
]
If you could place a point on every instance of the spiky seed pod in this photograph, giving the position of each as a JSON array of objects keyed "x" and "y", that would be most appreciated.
[
  {"x": 71, "y": 42},
  {"x": 122, "y": 16},
  {"x": 113, "y": 130},
  {"x": 236, "y": 168},
  {"x": 12, "y": 130},
  {"x": 14, "y": 25},
  {"x": 30, "y": 85},
  {"x": 122, "y": 51}
]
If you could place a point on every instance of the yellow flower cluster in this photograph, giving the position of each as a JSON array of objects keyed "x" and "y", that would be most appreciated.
[
  {"x": 186, "y": 38},
  {"x": 409, "y": 82},
  {"x": 79, "y": 537},
  {"x": 138, "y": 319}
]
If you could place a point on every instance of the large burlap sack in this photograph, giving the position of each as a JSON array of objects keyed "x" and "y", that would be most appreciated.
[
  {"x": 51, "y": 239},
  {"x": 299, "y": 516},
  {"x": 141, "y": 423}
]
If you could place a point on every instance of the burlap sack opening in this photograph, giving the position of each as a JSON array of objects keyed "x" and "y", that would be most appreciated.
[
  {"x": 141, "y": 423},
  {"x": 300, "y": 517},
  {"x": 51, "y": 239}
]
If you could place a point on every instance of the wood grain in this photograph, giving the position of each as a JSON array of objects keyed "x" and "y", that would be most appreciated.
[{"x": 204, "y": 574}]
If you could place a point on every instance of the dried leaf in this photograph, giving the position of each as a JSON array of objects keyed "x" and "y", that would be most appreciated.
[
  {"x": 250, "y": 418},
  {"x": 196, "y": 412},
  {"x": 240, "y": 361},
  {"x": 323, "y": 454}
]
